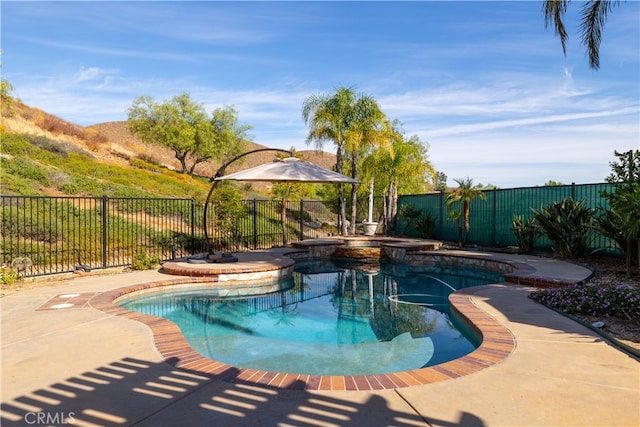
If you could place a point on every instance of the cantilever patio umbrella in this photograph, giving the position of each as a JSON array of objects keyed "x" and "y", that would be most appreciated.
[{"x": 290, "y": 169}]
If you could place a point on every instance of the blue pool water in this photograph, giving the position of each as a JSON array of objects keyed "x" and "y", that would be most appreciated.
[{"x": 333, "y": 318}]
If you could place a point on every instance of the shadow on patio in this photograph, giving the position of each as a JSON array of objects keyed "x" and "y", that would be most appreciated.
[{"x": 137, "y": 392}]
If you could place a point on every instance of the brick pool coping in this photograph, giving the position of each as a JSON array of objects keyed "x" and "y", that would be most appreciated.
[{"x": 497, "y": 343}]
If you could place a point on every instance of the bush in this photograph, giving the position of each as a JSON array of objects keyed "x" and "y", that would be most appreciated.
[
  {"x": 8, "y": 276},
  {"x": 425, "y": 226},
  {"x": 526, "y": 232},
  {"x": 142, "y": 261},
  {"x": 568, "y": 226},
  {"x": 408, "y": 215},
  {"x": 593, "y": 300},
  {"x": 25, "y": 168}
]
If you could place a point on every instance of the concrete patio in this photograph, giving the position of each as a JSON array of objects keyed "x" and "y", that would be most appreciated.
[{"x": 82, "y": 366}]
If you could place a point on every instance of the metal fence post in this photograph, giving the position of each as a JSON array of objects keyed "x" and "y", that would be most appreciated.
[
  {"x": 104, "y": 231},
  {"x": 493, "y": 219},
  {"x": 193, "y": 226},
  {"x": 301, "y": 220},
  {"x": 255, "y": 225},
  {"x": 442, "y": 202}
]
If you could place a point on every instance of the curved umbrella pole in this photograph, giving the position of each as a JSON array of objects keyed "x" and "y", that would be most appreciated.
[{"x": 220, "y": 172}]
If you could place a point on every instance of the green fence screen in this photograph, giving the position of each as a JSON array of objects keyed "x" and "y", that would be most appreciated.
[{"x": 490, "y": 219}]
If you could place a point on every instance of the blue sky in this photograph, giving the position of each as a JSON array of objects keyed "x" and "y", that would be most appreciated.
[{"x": 484, "y": 84}]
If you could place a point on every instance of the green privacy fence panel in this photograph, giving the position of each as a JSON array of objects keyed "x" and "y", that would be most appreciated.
[{"x": 490, "y": 219}]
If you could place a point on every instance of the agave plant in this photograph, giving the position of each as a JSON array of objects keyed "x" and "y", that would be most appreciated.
[
  {"x": 568, "y": 225},
  {"x": 526, "y": 232},
  {"x": 426, "y": 225}
]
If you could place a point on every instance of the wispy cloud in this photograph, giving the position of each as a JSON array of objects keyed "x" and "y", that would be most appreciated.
[{"x": 487, "y": 88}]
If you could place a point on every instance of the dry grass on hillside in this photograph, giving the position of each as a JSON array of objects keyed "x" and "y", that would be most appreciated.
[
  {"x": 112, "y": 142},
  {"x": 118, "y": 131}
]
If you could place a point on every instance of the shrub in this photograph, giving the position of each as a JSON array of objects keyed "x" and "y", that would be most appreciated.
[
  {"x": 526, "y": 232},
  {"x": 69, "y": 188},
  {"x": 56, "y": 125},
  {"x": 51, "y": 146},
  {"x": 20, "y": 265},
  {"x": 594, "y": 300},
  {"x": 94, "y": 137},
  {"x": 8, "y": 275},
  {"x": 568, "y": 226},
  {"x": 408, "y": 215},
  {"x": 425, "y": 225},
  {"x": 25, "y": 168},
  {"x": 142, "y": 261}
]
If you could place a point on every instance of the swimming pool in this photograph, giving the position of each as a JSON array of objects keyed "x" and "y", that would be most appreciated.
[{"x": 331, "y": 318}]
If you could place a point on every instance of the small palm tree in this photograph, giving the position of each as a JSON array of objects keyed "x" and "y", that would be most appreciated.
[
  {"x": 465, "y": 193},
  {"x": 353, "y": 122}
]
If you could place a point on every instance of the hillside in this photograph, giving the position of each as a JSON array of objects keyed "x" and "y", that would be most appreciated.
[
  {"x": 128, "y": 143},
  {"x": 45, "y": 155}
]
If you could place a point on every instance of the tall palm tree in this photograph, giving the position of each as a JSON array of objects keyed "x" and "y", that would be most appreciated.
[
  {"x": 369, "y": 127},
  {"x": 351, "y": 121},
  {"x": 594, "y": 15},
  {"x": 328, "y": 118},
  {"x": 403, "y": 168},
  {"x": 465, "y": 193}
]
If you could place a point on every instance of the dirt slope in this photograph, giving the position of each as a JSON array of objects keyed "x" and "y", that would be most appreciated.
[{"x": 111, "y": 142}]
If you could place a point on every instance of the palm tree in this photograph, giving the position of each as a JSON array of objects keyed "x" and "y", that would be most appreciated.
[
  {"x": 594, "y": 16},
  {"x": 403, "y": 168},
  {"x": 465, "y": 193},
  {"x": 328, "y": 117},
  {"x": 353, "y": 122},
  {"x": 369, "y": 127}
]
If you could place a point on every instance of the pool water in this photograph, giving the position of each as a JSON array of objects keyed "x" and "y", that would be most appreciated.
[{"x": 333, "y": 318}]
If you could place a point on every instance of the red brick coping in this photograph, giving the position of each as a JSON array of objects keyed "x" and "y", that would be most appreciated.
[
  {"x": 497, "y": 343},
  {"x": 257, "y": 263}
]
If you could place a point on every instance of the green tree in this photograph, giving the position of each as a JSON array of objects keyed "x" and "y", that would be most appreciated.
[
  {"x": 327, "y": 117},
  {"x": 228, "y": 215},
  {"x": 369, "y": 128},
  {"x": 184, "y": 126},
  {"x": 626, "y": 170},
  {"x": 441, "y": 181},
  {"x": 593, "y": 18},
  {"x": 352, "y": 122},
  {"x": 465, "y": 194},
  {"x": 5, "y": 91},
  {"x": 623, "y": 221},
  {"x": 402, "y": 169}
]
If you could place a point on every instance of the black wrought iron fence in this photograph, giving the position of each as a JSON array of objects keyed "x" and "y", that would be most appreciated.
[
  {"x": 268, "y": 223},
  {"x": 49, "y": 235},
  {"x": 46, "y": 235}
]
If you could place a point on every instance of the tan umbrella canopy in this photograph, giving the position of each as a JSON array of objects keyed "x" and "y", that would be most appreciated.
[{"x": 290, "y": 169}]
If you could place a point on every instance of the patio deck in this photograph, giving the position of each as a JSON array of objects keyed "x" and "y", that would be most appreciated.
[{"x": 87, "y": 366}]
